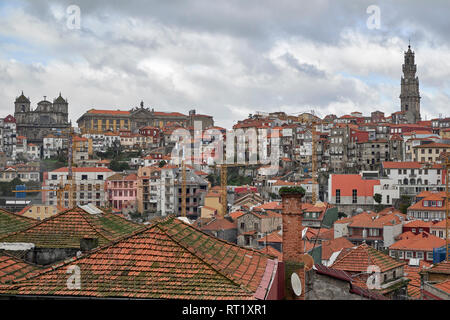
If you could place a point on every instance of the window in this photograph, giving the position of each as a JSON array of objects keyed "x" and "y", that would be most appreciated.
[
  {"x": 414, "y": 230},
  {"x": 419, "y": 255},
  {"x": 387, "y": 199},
  {"x": 409, "y": 254},
  {"x": 100, "y": 177},
  {"x": 430, "y": 256},
  {"x": 338, "y": 195},
  {"x": 242, "y": 225},
  {"x": 355, "y": 196},
  {"x": 84, "y": 177}
]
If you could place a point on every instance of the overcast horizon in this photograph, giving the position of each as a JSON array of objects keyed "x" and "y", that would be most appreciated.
[{"x": 226, "y": 59}]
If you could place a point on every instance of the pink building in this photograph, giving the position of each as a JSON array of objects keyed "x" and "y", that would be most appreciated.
[{"x": 121, "y": 191}]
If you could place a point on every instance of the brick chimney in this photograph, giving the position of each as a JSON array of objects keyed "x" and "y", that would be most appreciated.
[{"x": 292, "y": 215}]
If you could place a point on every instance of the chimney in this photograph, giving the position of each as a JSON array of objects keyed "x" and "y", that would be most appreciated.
[
  {"x": 292, "y": 214},
  {"x": 88, "y": 243}
]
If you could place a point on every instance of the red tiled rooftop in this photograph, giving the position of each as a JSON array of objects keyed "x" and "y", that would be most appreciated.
[
  {"x": 83, "y": 169},
  {"x": 65, "y": 229},
  {"x": 421, "y": 241},
  {"x": 12, "y": 222},
  {"x": 361, "y": 257},
  {"x": 13, "y": 268}
]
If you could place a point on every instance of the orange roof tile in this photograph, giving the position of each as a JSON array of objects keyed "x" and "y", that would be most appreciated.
[
  {"x": 84, "y": 169},
  {"x": 167, "y": 260},
  {"x": 12, "y": 222},
  {"x": 334, "y": 245},
  {"x": 109, "y": 112},
  {"x": 361, "y": 257},
  {"x": 442, "y": 267},
  {"x": 422, "y": 241},
  {"x": 65, "y": 229},
  {"x": 272, "y": 237},
  {"x": 412, "y": 273},
  {"x": 444, "y": 286},
  {"x": 13, "y": 268}
]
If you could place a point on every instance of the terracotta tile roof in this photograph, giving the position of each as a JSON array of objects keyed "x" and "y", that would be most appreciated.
[
  {"x": 422, "y": 241},
  {"x": 444, "y": 286},
  {"x": 412, "y": 273},
  {"x": 274, "y": 205},
  {"x": 236, "y": 214},
  {"x": 418, "y": 224},
  {"x": 443, "y": 267},
  {"x": 326, "y": 234},
  {"x": 374, "y": 220},
  {"x": 65, "y": 229},
  {"x": 13, "y": 268},
  {"x": 167, "y": 260},
  {"x": 272, "y": 237},
  {"x": 401, "y": 165},
  {"x": 433, "y": 197},
  {"x": 109, "y": 112},
  {"x": 11, "y": 222},
  {"x": 271, "y": 251},
  {"x": 83, "y": 169},
  {"x": 358, "y": 259},
  {"x": 245, "y": 266},
  {"x": 266, "y": 214},
  {"x": 433, "y": 145},
  {"x": 334, "y": 245},
  {"x": 218, "y": 224}
]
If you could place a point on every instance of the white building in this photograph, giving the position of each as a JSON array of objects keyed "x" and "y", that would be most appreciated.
[
  {"x": 389, "y": 191},
  {"x": 414, "y": 177},
  {"x": 52, "y": 145},
  {"x": 89, "y": 185}
]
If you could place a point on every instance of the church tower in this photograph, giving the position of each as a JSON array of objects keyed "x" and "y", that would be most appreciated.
[{"x": 409, "y": 96}]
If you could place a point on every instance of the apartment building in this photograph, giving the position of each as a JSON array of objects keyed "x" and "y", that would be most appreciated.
[
  {"x": 121, "y": 191},
  {"x": 88, "y": 187},
  {"x": 429, "y": 208},
  {"x": 430, "y": 152},
  {"x": 8, "y": 136},
  {"x": 160, "y": 190},
  {"x": 351, "y": 191},
  {"x": 52, "y": 145},
  {"x": 416, "y": 246},
  {"x": 378, "y": 230},
  {"x": 414, "y": 177}
]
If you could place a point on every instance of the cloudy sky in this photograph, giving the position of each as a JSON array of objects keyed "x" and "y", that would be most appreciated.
[{"x": 225, "y": 58}]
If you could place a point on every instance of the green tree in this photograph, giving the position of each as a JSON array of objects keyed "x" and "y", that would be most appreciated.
[
  {"x": 162, "y": 163},
  {"x": 377, "y": 198},
  {"x": 405, "y": 203}
]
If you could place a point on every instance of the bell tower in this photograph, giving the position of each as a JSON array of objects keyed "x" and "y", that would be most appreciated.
[{"x": 410, "y": 96}]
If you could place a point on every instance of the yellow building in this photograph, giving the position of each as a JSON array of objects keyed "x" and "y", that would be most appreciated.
[
  {"x": 39, "y": 211},
  {"x": 101, "y": 121},
  {"x": 429, "y": 152},
  {"x": 445, "y": 133},
  {"x": 212, "y": 204}
]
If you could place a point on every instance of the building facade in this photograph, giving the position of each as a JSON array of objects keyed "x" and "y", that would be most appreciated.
[{"x": 47, "y": 118}]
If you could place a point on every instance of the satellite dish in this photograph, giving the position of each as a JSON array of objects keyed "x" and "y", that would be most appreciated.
[
  {"x": 296, "y": 284},
  {"x": 308, "y": 261}
]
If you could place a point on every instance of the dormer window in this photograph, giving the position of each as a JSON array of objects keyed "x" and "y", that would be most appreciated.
[{"x": 425, "y": 203}]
